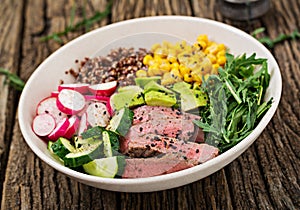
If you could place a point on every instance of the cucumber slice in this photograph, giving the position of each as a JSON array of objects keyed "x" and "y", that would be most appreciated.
[
  {"x": 121, "y": 121},
  {"x": 84, "y": 154},
  {"x": 107, "y": 150},
  {"x": 105, "y": 167},
  {"x": 62, "y": 147}
]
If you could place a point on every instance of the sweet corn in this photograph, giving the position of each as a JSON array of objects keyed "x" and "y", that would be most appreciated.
[
  {"x": 183, "y": 69},
  {"x": 181, "y": 61},
  {"x": 147, "y": 59},
  {"x": 221, "y": 60},
  {"x": 141, "y": 73},
  {"x": 187, "y": 78}
]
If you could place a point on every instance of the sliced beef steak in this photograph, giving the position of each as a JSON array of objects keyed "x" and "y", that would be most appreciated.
[
  {"x": 148, "y": 167},
  {"x": 150, "y": 145},
  {"x": 167, "y": 122}
]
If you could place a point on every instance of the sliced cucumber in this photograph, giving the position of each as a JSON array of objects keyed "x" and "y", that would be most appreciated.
[
  {"x": 121, "y": 121},
  {"x": 105, "y": 167},
  {"x": 84, "y": 154},
  {"x": 94, "y": 132},
  {"x": 62, "y": 147},
  {"x": 107, "y": 150},
  {"x": 50, "y": 143}
]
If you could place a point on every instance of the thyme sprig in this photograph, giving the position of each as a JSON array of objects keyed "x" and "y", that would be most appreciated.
[
  {"x": 85, "y": 23},
  {"x": 13, "y": 80},
  {"x": 270, "y": 43}
]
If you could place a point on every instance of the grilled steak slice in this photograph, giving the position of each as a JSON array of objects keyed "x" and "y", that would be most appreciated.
[
  {"x": 166, "y": 121},
  {"x": 148, "y": 167},
  {"x": 150, "y": 145}
]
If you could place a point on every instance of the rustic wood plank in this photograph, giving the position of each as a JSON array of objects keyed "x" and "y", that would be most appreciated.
[{"x": 11, "y": 29}]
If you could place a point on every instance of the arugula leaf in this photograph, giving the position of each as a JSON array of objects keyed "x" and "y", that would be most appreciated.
[{"x": 235, "y": 100}]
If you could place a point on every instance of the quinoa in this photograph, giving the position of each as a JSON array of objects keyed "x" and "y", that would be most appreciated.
[{"x": 119, "y": 65}]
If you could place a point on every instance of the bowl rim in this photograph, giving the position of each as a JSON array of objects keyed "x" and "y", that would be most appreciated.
[{"x": 224, "y": 157}]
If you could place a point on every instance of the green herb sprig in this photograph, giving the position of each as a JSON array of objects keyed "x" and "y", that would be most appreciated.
[
  {"x": 270, "y": 43},
  {"x": 13, "y": 79},
  {"x": 85, "y": 23},
  {"x": 235, "y": 100}
]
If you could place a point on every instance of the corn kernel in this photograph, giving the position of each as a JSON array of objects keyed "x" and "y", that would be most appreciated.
[
  {"x": 213, "y": 48},
  {"x": 221, "y": 47},
  {"x": 203, "y": 44},
  {"x": 216, "y": 66},
  {"x": 202, "y": 37},
  {"x": 175, "y": 73},
  {"x": 155, "y": 70},
  {"x": 175, "y": 65},
  {"x": 212, "y": 58},
  {"x": 221, "y": 53},
  {"x": 187, "y": 78},
  {"x": 221, "y": 60},
  {"x": 147, "y": 59},
  {"x": 196, "y": 77},
  {"x": 141, "y": 73},
  {"x": 165, "y": 66},
  {"x": 183, "y": 69}
]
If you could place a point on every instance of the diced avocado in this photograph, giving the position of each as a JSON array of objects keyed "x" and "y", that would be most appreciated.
[
  {"x": 192, "y": 99},
  {"x": 137, "y": 100},
  {"x": 200, "y": 97},
  {"x": 129, "y": 96},
  {"x": 152, "y": 85},
  {"x": 142, "y": 81},
  {"x": 181, "y": 87},
  {"x": 157, "y": 98},
  {"x": 132, "y": 88}
]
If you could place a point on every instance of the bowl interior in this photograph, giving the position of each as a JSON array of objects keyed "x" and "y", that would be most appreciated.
[{"x": 140, "y": 33}]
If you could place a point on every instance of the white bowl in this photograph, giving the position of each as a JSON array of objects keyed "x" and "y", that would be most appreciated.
[{"x": 47, "y": 76}]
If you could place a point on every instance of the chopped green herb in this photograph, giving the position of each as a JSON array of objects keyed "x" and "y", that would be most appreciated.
[
  {"x": 235, "y": 100},
  {"x": 85, "y": 23},
  {"x": 13, "y": 79},
  {"x": 270, "y": 43}
]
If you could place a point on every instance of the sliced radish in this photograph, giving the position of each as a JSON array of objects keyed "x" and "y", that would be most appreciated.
[
  {"x": 60, "y": 129},
  {"x": 109, "y": 108},
  {"x": 104, "y": 89},
  {"x": 70, "y": 101},
  {"x": 97, "y": 114},
  {"x": 73, "y": 126},
  {"x": 54, "y": 93},
  {"x": 48, "y": 106},
  {"x": 82, "y": 88},
  {"x": 97, "y": 98},
  {"x": 43, "y": 124},
  {"x": 83, "y": 125}
]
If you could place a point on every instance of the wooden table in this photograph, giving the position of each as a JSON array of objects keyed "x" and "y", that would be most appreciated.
[{"x": 266, "y": 176}]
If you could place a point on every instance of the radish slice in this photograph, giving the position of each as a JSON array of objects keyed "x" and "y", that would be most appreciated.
[
  {"x": 43, "y": 124},
  {"x": 82, "y": 125},
  {"x": 48, "y": 106},
  {"x": 109, "y": 108},
  {"x": 103, "y": 89},
  {"x": 54, "y": 93},
  {"x": 97, "y": 114},
  {"x": 97, "y": 98},
  {"x": 81, "y": 88},
  {"x": 60, "y": 129},
  {"x": 70, "y": 101},
  {"x": 73, "y": 126}
]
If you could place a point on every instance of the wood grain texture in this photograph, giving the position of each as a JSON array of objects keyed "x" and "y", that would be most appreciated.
[{"x": 266, "y": 176}]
